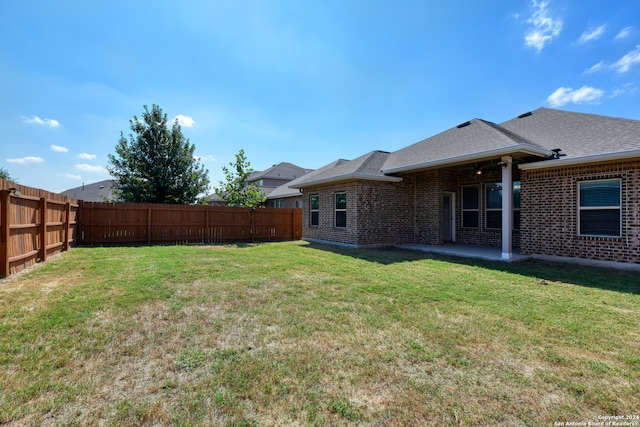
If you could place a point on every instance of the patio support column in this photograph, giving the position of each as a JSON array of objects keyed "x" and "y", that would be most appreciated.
[{"x": 507, "y": 203}]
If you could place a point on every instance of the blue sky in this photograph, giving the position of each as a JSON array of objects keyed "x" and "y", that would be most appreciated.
[{"x": 304, "y": 82}]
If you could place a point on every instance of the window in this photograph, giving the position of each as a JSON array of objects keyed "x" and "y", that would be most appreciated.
[
  {"x": 516, "y": 205},
  {"x": 599, "y": 208},
  {"x": 341, "y": 210},
  {"x": 314, "y": 209},
  {"x": 493, "y": 206},
  {"x": 298, "y": 203},
  {"x": 470, "y": 210},
  {"x": 278, "y": 203}
]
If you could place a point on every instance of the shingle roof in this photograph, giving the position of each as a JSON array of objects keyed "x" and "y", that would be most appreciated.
[
  {"x": 577, "y": 134},
  {"x": 282, "y": 170},
  {"x": 364, "y": 167},
  {"x": 95, "y": 192},
  {"x": 470, "y": 141}
]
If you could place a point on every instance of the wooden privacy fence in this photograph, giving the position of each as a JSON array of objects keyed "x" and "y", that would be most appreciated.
[
  {"x": 133, "y": 223},
  {"x": 34, "y": 224}
]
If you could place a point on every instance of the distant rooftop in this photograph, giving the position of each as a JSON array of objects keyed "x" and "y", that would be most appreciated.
[{"x": 95, "y": 192}]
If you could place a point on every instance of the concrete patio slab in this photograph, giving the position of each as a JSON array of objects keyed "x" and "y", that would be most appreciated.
[{"x": 466, "y": 251}]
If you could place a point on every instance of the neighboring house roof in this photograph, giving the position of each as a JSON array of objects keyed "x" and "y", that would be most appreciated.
[
  {"x": 96, "y": 192},
  {"x": 474, "y": 140},
  {"x": 583, "y": 138},
  {"x": 285, "y": 190},
  {"x": 283, "y": 170},
  {"x": 366, "y": 167}
]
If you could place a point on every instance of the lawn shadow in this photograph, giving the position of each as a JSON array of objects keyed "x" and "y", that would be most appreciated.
[{"x": 546, "y": 271}]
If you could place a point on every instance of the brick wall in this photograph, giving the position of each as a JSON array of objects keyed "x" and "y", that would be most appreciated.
[
  {"x": 383, "y": 213},
  {"x": 378, "y": 213},
  {"x": 550, "y": 213}
]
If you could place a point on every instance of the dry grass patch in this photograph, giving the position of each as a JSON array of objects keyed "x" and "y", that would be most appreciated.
[{"x": 295, "y": 334}]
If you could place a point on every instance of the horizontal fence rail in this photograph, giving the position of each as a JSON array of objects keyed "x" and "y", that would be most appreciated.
[
  {"x": 34, "y": 224},
  {"x": 142, "y": 223}
]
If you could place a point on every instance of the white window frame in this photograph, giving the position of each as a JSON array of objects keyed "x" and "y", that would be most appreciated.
[
  {"x": 516, "y": 209},
  {"x": 476, "y": 210},
  {"x": 600, "y": 208},
  {"x": 335, "y": 205},
  {"x": 513, "y": 208},
  {"x": 312, "y": 210},
  {"x": 487, "y": 209}
]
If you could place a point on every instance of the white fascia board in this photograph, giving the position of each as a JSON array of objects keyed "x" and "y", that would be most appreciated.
[
  {"x": 353, "y": 176},
  {"x": 595, "y": 158},
  {"x": 469, "y": 158}
]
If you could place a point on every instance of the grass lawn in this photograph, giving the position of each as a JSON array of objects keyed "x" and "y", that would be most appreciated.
[{"x": 299, "y": 334}]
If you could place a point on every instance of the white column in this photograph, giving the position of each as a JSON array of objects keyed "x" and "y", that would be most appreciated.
[{"x": 507, "y": 203}]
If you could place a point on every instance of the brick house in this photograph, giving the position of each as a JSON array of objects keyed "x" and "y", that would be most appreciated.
[{"x": 574, "y": 183}]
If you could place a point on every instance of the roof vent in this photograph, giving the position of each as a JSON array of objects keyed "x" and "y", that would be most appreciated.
[
  {"x": 465, "y": 124},
  {"x": 523, "y": 115}
]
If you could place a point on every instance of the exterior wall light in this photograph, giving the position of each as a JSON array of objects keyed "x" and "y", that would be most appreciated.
[{"x": 15, "y": 191}]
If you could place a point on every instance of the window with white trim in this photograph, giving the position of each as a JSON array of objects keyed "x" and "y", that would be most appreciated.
[
  {"x": 314, "y": 210},
  {"x": 599, "y": 208},
  {"x": 493, "y": 205},
  {"x": 516, "y": 205},
  {"x": 470, "y": 206},
  {"x": 341, "y": 210}
]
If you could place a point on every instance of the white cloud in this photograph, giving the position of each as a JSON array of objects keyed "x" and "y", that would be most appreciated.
[
  {"x": 208, "y": 158},
  {"x": 623, "y": 33},
  {"x": 58, "y": 148},
  {"x": 44, "y": 122},
  {"x": 566, "y": 95},
  {"x": 591, "y": 35},
  {"x": 26, "y": 160},
  {"x": 597, "y": 67},
  {"x": 69, "y": 175},
  {"x": 86, "y": 156},
  {"x": 90, "y": 168},
  {"x": 185, "y": 121},
  {"x": 544, "y": 28},
  {"x": 625, "y": 63}
]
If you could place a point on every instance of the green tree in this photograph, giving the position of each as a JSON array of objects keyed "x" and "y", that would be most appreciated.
[
  {"x": 237, "y": 191},
  {"x": 156, "y": 164},
  {"x": 4, "y": 174}
]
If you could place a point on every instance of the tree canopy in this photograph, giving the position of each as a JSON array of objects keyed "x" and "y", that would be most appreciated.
[
  {"x": 156, "y": 163},
  {"x": 4, "y": 174},
  {"x": 237, "y": 191}
]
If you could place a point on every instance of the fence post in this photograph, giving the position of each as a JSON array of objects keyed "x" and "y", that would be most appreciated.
[
  {"x": 4, "y": 233},
  {"x": 67, "y": 221},
  {"x": 43, "y": 229}
]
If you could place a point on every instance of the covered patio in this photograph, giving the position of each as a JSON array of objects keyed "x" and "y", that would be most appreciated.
[{"x": 467, "y": 251}]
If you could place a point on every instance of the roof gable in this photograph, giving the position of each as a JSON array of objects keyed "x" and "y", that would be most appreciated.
[
  {"x": 366, "y": 167},
  {"x": 469, "y": 141}
]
